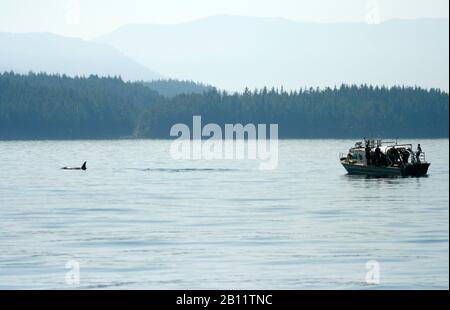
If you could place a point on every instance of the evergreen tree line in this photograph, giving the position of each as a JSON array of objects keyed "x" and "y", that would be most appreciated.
[
  {"x": 172, "y": 87},
  {"x": 41, "y": 106}
]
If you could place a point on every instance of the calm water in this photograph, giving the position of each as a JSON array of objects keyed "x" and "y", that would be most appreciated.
[{"x": 137, "y": 219}]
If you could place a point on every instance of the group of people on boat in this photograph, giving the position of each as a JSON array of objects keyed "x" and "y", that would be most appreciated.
[
  {"x": 385, "y": 158},
  {"x": 376, "y": 158},
  {"x": 392, "y": 157}
]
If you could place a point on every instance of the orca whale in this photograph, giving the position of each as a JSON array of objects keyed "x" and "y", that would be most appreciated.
[{"x": 83, "y": 167}]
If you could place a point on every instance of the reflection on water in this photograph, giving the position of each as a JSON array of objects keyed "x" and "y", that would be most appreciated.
[
  {"x": 384, "y": 182},
  {"x": 137, "y": 219}
]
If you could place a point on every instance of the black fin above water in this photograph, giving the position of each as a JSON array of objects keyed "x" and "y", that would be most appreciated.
[{"x": 76, "y": 168}]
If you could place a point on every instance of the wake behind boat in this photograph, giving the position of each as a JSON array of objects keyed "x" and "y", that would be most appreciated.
[{"x": 380, "y": 158}]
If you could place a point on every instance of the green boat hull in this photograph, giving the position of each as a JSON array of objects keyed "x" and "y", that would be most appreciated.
[{"x": 416, "y": 170}]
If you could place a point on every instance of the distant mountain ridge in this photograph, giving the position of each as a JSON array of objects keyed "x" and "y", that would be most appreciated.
[
  {"x": 43, "y": 52},
  {"x": 232, "y": 52}
]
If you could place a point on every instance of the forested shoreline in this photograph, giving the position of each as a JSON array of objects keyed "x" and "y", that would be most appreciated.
[{"x": 42, "y": 106}]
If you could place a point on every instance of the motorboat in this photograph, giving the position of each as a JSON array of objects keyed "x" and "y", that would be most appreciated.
[{"x": 384, "y": 158}]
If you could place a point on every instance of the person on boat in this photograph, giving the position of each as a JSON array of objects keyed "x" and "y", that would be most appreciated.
[
  {"x": 368, "y": 154},
  {"x": 397, "y": 158},
  {"x": 377, "y": 156},
  {"x": 419, "y": 151},
  {"x": 405, "y": 156},
  {"x": 393, "y": 155},
  {"x": 383, "y": 160}
]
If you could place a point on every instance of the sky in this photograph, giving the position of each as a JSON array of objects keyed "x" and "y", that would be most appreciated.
[{"x": 88, "y": 19}]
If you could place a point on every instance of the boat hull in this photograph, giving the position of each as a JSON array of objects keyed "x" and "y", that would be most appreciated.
[{"x": 416, "y": 170}]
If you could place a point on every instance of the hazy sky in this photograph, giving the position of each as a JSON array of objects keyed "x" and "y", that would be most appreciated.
[{"x": 90, "y": 18}]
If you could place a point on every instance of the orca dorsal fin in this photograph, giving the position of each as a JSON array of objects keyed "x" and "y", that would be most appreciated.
[{"x": 84, "y": 166}]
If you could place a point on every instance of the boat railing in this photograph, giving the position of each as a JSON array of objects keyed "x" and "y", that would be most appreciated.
[
  {"x": 343, "y": 155},
  {"x": 418, "y": 158},
  {"x": 422, "y": 157}
]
